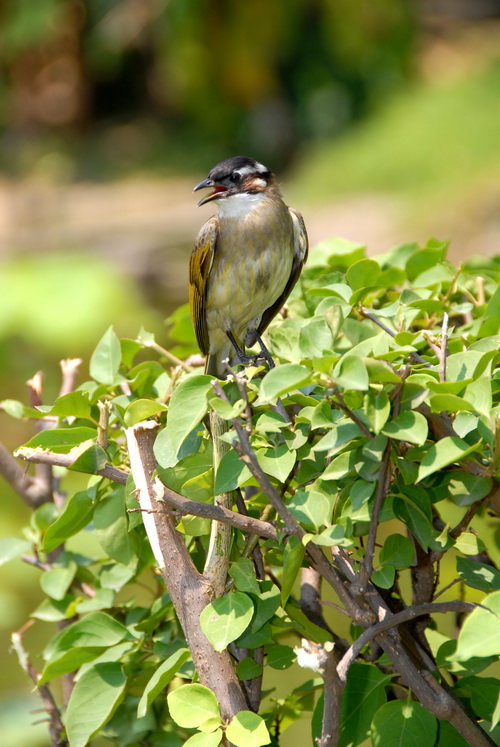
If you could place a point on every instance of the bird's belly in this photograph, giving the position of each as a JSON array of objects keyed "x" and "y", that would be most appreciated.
[{"x": 242, "y": 286}]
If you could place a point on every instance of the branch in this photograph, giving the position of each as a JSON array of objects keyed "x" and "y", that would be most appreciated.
[
  {"x": 391, "y": 621},
  {"x": 44, "y": 456},
  {"x": 188, "y": 589},
  {"x": 69, "y": 368},
  {"x": 244, "y": 449},
  {"x": 32, "y": 491},
  {"x": 219, "y": 513},
  {"x": 56, "y": 728},
  {"x": 364, "y": 312},
  {"x": 380, "y": 493}
]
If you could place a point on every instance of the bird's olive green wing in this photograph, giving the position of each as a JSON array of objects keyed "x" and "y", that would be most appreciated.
[
  {"x": 199, "y": 268},
  {"x": 300, "y": 250}
]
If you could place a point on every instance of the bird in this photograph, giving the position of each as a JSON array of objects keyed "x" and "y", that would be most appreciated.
[{"x": 245, "y": 262}]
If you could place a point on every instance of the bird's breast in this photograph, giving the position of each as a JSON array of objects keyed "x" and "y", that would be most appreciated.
[{"x": 252, "y": 264}]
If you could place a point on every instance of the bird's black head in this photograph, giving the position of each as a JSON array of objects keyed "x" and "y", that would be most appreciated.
[{"x": 234, "y": 176}]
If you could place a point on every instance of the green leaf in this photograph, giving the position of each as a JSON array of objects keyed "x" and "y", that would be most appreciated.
[
  {"x": 247, "y": 729},
  {"x": 61, "y": 440},
  {"x": 212, "y": 739},
  {"x": 162, "y": 676},
  {"x": 111, "y": 527},
  {"x": 283, "y": 379},
  {"x": 315, "y": 338},
  {"x": 449, "y": 403},
  {"x": 292, "y": 562},
  {"x": 469, "y": 544},
  {"x": 446, "y": 451},
  {"x": 90, "y": 459},
  {"x": 363, "y": 273},
  {"x": 465, "y": 489},
  {"x": 470, "y": 644},
  {"x": 277, "y": 461},
  {"x": 377, "y": 409},
  {"x": 95, "y": 697},
  {"x": 70, "y": 661},
  {"x": 73, "y": 404},
  {"x": 350, "y": 373},
  {"x": 265, "y": 604},
  {"x": 56, "y": 582},
  {"x": 484, "y": 694},
  {"x": 187, "y": 407},
  {"x": 384, "y": 577},
  {"x": 191, "y": 706},
  {"x": 398, "y": 551},
  {"x": 243, "y": 573},
  {"x": 226, "y": 618},
  {"x": 142, "y": 409},
  {"x": 12, "y": 547},
  {"x": 478, "y": 575},
  {"x": 403, "y": 722},
  {"x": 95, "y": 630},
  {"x": 231, "y": 473},
  {"x": 76, "y": 515},
  {"x": 281, "y": 657},
  {"x": 106, "y": 358},
  {"x": 311, "y": 507},
  {"x": 408, "y": 426},
  {"x": 338, "y": 437},
  {"x": 414, "y": 511},
  {"x": 248, "y": 669},
  {"x": 340, "y": 466}
]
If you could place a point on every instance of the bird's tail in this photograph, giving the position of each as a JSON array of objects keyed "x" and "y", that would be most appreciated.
[{"x": 215, "y": 364}]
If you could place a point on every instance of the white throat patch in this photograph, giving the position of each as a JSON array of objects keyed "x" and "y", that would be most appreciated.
[{"x": 239, "y": 205}]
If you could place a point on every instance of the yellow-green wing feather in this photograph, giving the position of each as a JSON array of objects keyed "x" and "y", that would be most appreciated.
[
  {"x": 199, "y": 269},
  {"x": 300, "y": 250}
]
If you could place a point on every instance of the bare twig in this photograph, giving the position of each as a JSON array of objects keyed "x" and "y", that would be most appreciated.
[
  {"x": 391, "y": 621},
  {"x": 43, "y": 456},
  {"x": 248, "y": 524},
  {"x": 380, "y": 493},
  {"x": 364, "y": 312},
  {"x": 339, "y": 402},
  {"x": 166, "y": 354},
  {"x": 69, "y": 368},
  {"x": 445, "y": 588},
  {"x": 104, "y": 406},
  {"x": 56, "y": 728},
  {"x": 443, "y": 352}
]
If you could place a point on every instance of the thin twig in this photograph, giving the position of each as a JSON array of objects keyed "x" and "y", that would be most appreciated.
[
  {"x": 166, "y": 354},
  {"x": 391, "y": 621},
  {"x": 339, "y": 402},
  {"x": 364, "y": 312},
  {"x": 445, "y": 588},
  {"x": 43, "y": 456},
  {"x": 56, "y": 728},
  {"x": 102, "y": 430},
  {"x": 219, "y": 513},
  {"x": 444, "y": 348},
  {"x": 69, "y": 369},
  {"x": 380, "y": 493}
]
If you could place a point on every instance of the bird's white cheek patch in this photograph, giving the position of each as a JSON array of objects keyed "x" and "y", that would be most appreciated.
[{"x": 237, "y": 206}]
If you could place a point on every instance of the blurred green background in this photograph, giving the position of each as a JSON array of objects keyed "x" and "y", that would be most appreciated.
[{"x": 380, "y": 118}]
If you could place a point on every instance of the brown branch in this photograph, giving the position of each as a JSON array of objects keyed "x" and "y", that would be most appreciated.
[
  {"x": 32, "y": 490},
  {"x": 339, "y": 402},
  {"x": 380, "y": 493},
  {"x": 43, "y": 456},
  {"x": 102, "y": 430},
  {"x": 218, "y": 513},
  {"x": 391, "y": 621},
  {"x": 368, "y": 315},
  {"x": 69, "y": 369},
  {"x": 56, "y": 728},
  {"x": 188, "y": 589},
  {"x": 244, "y": 450}
]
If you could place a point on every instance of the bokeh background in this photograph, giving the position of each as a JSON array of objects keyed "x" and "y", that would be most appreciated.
[{"x": 382, "y": 120}]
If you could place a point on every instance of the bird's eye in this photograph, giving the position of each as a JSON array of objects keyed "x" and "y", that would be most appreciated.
[{"x": 235, "y": 176}]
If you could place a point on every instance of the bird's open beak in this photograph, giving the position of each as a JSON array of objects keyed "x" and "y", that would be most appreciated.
[{"x": 206, "y": 184}]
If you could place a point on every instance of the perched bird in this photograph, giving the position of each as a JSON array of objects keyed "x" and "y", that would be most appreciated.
[{"x": 246, "y": 261}]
